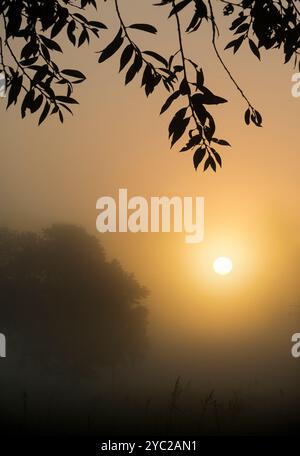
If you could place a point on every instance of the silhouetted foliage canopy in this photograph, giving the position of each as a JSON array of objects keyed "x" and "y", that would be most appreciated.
[
  {"x": 34, "y": 78},
  {"x": 64, "y": 306}
]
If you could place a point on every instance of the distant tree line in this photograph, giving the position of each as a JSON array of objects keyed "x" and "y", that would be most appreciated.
[{"x": 64, "y": 307}]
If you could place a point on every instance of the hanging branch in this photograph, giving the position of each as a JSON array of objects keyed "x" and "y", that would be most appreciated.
[
  {"x": 40, "y": 85},
  {"x": 251, "y": 111}
]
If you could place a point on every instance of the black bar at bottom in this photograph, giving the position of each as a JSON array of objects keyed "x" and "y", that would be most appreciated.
[{"x": 91, "y": 446}]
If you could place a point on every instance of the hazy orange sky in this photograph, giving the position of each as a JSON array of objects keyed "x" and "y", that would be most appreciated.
[{"x": 116, "y": 139}]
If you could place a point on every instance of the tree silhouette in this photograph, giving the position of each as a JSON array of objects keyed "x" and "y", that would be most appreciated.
[
  {"x": 34, "y": 77},
  {"x": 63, "y": 306}
]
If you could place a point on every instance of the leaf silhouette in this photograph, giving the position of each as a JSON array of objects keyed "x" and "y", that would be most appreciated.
[
  {"x": 157, "y": 56},
  {"x": 112, "y": 47},
  {"x": 198, "y": 157},
  {"x": 144, "y": 27},
  {"x": 135, "y": 68},
  {"x": 74, "y": 73},
  {"x": 126, "y": 56},
  {"x": 170, "y": 101},
  {"x": 179, "y": 6},
  {"x": 254, "y": 48}
]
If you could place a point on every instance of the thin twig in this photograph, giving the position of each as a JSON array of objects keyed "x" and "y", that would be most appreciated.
[
  {"x": 145, "y": 61},
  {"x": 127, "y": 34},
  {"x": 183, "y": 59},
  {"x": 213, "y": 23}
]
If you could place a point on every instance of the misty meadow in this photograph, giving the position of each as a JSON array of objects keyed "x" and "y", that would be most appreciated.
[{"x": 81, "y": 358}]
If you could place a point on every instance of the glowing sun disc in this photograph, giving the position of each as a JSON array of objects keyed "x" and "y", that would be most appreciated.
[{"x": 222, "y": 266}]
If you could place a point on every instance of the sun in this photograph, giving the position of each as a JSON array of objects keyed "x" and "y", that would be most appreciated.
[{"x": 222, "y": 266}]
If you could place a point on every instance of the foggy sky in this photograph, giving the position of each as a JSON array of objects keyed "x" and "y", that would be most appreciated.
[{"x": 116, "y": 139}]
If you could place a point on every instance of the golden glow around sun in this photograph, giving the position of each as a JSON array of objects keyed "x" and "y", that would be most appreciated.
[{"x": 222, "y": 265}]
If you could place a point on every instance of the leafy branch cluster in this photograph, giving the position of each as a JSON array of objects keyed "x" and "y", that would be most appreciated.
[
  {"x": 274, "y": 24},
  {"x": 263, "y": 24},
  {"x": 34, "y": 72}
]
